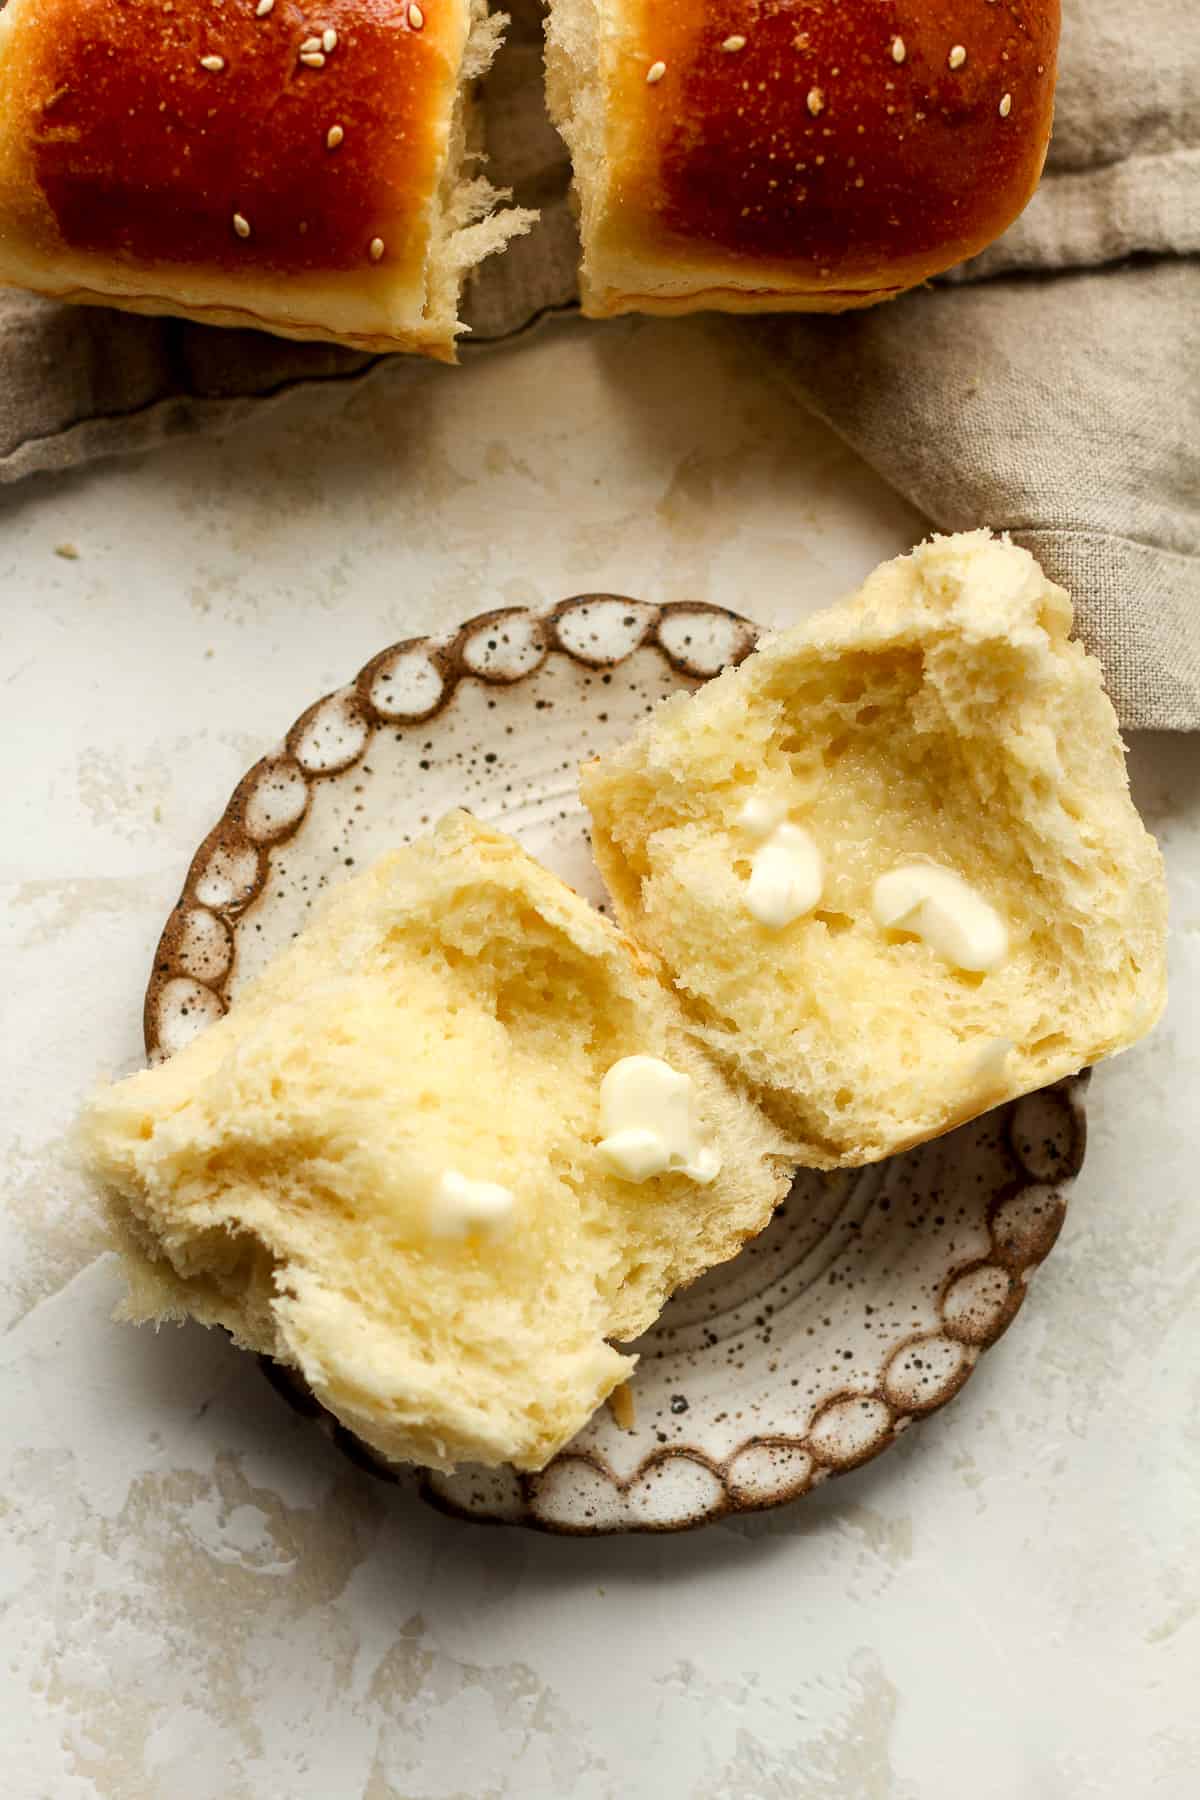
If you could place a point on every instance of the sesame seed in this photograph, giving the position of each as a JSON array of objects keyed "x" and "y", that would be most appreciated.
[
  {"x": 898, "y": 51},
  {"x": 263, "y": 8},
  {"x": 734, "y": 43},
  {"x": 333, "y": 137},
  {"x": 309, "y": 45},
  {"x": 329, "y": 41},
  {"x": 1006, "y": 106},
  {"x": 416, "y": 18},
  {"x": 655, "y": 72},
  {"x": 375, "y": 250},
  {"x": 957, "y": 57},
  {"x": 215, "y": 63},
  {"x": 241, "y": 225},
  {"x": 313, "y": 60},
  {"x": 816, "y": 101}
]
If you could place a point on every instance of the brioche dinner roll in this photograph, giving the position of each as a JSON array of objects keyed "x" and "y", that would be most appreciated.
[
  {"x": 309, "y": 169},
  {"x": 805, "y": 155},
  {"x": 452, "y": 1142},
  {"x": 890, "y": 864}
]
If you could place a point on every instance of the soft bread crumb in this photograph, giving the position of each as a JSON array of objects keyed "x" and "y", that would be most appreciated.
[
  {"x": 470, "y": 221},
  {"x": 454, "y": 1007},
  {"x": 942, "y": 713}
]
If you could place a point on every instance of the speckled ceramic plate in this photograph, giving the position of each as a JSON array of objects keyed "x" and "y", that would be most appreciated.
[{"x": 865, "y": 1304}]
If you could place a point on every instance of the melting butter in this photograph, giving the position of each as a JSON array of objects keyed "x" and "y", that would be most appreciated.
[
  {"x": 938, "y": 906},
  {"x": 786, "y": 877},
  {"x": 647, "y": 1115},
  {"x": 460, "y": 1205},
  {"x": 761, "y": 813}
]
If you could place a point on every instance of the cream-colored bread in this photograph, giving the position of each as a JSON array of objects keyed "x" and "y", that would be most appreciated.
[
  {"x": 316, "y": 175},
  {"x": 455, "y": 1007},
  {"x": 942, "y": 715}
]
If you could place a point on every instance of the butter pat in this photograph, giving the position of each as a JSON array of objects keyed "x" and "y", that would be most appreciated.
[
  {"x": 940, "y": 907},
  {"x": 461, "y": 1205},
  {"x": 649, "y": 1128},
  {"x": 761, "y": 814},
  {"x": 637, "y": 1155},
  {"x": 786, "y": 877}
]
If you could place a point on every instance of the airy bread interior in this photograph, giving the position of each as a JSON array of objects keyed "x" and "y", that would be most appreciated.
[
  {"x": 467, "y": 228},
  {"x": 454, "y": 1007},
  {"x": 574, "y": 99},
  {"x": 943, "y": 714}
]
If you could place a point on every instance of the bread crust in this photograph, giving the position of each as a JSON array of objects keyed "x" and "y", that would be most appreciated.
[
  {"x": 421, "y": 342},
  {"x": 836, "y": 155},
  {"x": 205, "y": 162}
]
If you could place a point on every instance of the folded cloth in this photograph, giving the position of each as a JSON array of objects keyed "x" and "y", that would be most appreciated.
[
  {"x": 1050, "y": 388},
  {"x": 1066, "y": 411}
]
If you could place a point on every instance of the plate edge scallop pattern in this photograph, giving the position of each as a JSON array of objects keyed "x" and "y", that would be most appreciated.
[
  {"x": 194, "y": 958},
  {"x": 1017, "y": 1247}
]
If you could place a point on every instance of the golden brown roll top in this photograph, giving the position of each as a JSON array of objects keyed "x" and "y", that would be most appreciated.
[
  {"x": 806, "y": 154},
  {"x": 264, "y": 162},
  {"x": 305, "y": 165}
]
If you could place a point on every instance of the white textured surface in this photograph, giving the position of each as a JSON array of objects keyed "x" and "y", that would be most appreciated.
[{"x": 197, "y": 1597}]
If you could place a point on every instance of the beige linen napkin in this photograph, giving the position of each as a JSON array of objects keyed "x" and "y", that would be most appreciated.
[{"x": 1051, "y": 388}]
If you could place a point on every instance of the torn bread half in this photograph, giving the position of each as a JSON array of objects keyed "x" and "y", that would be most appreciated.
[
  {"x": 890, "y": 865},
  {"x": 403, "y": 1165}
]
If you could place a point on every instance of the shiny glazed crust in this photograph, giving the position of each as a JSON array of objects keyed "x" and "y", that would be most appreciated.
[
  {"x": 806, "y": 154},
  {"x": 286, "y": 170}
]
